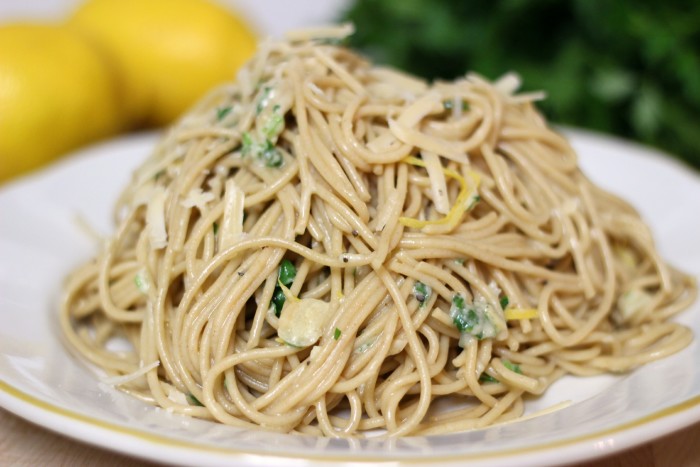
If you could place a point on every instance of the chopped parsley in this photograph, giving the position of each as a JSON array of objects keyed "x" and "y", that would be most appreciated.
[
  {"x": 473, "y": 202},
  {"x": 465, "y": 321},
  {"x": 504, "y": 302},
  {"x": 278, "y": 300},
  {"x": 247, "y": 141},
  {"x": 512, "y": 366},
  {"x": 193, "y": 400},
  {"x": 270, "y": 155},
  {"x": 487, "y": 378},
  {"x": 273, "y": 126},
  {"x": 142, "y": 282},
  {"x": 266, "y": 152},
  {"x": 449, "y": 104},
  {"x": 215, "y": 228},
  {"x": 264, "y": 99},
  {"x": 471, "y": 319},
  {"x": 422, "y": 293},
  {"x": 221, "y": 112},
  {"x": 336, "y": 334},
  {"x": 285, "y": 276},
  {"x": 287, "y": 272}
]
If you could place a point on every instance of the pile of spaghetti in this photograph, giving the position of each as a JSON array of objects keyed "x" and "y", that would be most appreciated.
[{"x": 334, "y": 248}]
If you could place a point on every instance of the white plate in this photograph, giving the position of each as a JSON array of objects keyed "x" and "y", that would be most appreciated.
[{"x": 40, "y": 381}]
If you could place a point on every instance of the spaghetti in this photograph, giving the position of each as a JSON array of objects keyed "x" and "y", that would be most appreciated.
[{"x": 332, "y": 248}]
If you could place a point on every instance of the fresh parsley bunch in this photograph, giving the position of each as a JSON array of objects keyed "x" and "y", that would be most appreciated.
[{"x": 631, "y": 68}]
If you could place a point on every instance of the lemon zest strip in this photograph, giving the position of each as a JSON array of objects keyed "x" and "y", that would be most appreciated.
[
  {"x": 520, "y": 313},
  {"x": 459, "y": 207}
]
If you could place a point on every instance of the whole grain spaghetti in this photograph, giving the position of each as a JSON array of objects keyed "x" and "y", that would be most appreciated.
[{"x": 334, "y": 248}]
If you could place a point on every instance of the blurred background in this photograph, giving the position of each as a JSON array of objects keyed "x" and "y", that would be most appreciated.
[{"x": 73, "y": 72}]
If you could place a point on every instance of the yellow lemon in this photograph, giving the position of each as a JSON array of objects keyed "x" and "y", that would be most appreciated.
[
  {"x": 170, "y": 52},
  {"x": 56, "y": 93}
]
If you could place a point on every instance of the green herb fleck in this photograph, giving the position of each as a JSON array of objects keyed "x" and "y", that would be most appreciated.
[
  {"x": 221, "y": 112},
  {"x": 487, "y": 378},
  {"x": 504, "y": 302},
  {"x": 278, "y": 300},
  {"x": 193, "y": 400},
  {"x": 215, "y": 228},
  {"x": 247, "y": 141},
  {"x": 266, "y": 152},
  {"x": 273, "y": 126},
  {"x": 471, "y": 318},
  {"x": 287, "y": 272},
  {"x": 466, "y": 321},
  {"x": 473, "y": 202},
  {"x": 449, "y": 104},
  {"x": 336, "y": 334},
  {"x": 262, "y": 102},
  {"x": 270, "y": 155},
  {"x": 285, "y": 276},
  {"x": 141, "y": 283},
  {"x": 422, "y": 293},
  {"x": 512, "y": 366}
]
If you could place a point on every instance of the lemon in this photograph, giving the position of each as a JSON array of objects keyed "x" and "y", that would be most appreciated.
[
  {"x": 56, "y": 93},
  {"x": 170, "y": 52}
]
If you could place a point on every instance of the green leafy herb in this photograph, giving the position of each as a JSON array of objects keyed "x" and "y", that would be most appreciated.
[
  {"x": 215, "y": 228},
  {"x": 287, "y": 272},
  {"x": 466, "y": 321},
  {"x": 487, "y": 378},
  {"x": 273, "y": 126},
  {"x": 449, "y": 104},
  {"x": 141, "y": 281},
  {"x": 271, "y": 156},
  {"x": 263, "y": 100},
  {"x": 221, "y": 112},
  {"x": 247, "y": 144},
  {"x": 278, "y": 300},
  {"x": 193, "y": 400},
  {"x": 285, "y": 275},
  {"x": 336, "y": 334},
  {"x": 474, "y": 201},
  {"x": 512, "y": 366},
  {"x": 471, "y": 319},
  {"x": 422, "y": 293},
  {"x": 266, "y": 152},
  {"x": 504, "y": 302}
]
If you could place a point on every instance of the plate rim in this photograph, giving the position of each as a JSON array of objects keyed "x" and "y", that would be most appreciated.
[{"x": 34, "y": 409}]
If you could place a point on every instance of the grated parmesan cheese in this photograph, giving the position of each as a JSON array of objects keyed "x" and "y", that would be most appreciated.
[
  {"x": 155, "y": 219},
  {"x": 197, "y": 197},
  {"x": 232, "y": 225},
  {"x": 123, "y": 379}
]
